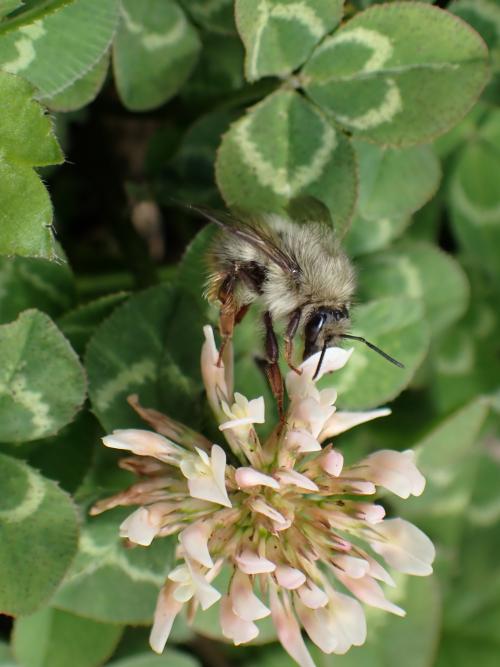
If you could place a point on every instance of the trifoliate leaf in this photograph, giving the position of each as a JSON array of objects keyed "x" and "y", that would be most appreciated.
[
  {"x": 266, "y": 158},
  {"x": 398, "y": 74}
]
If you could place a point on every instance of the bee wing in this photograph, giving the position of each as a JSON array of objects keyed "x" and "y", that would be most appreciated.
[{"x": 255, "y": 232}]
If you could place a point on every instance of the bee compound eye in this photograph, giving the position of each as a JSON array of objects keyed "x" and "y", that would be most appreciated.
[
  {"x": 340, "y": 314},
  {"x": 314, "y": 326}
]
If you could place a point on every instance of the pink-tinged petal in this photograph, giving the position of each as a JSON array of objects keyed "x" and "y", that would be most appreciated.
[
  {"x": 140, "y": 527},
  {"x": 370, "y": 512},
  {"x": 335, "y": 358},
  {"x": 346, "y": 622},
  {"x": 251, "y": 563},
  {"x": 248, "y": 477},
  {"x": 194, "y": 541},
  {"x": 289, "y": 577},
  {"x": 213, "y": 376},
  {"x": 206, "y": 594},
  {"x": 368, "y": 591},
  {"x": 353, "y": 567},
  {"x": 315, "y": 623},
  {"x": 244, "y": 602},
  {"x": 233, "y": 627},
  {"x": 260, "y": 506},
  {"x": 312, "y": 596},
  {"x": 378, "y": 572},
  {"x": 288, "y": 631},
  {"x": 396, "y": 471},
  {"x": 143, "y": 443},
  {"x": 360, "y": 487},
  {"x": 404, "y": 547},
  {"x": 294, "y": 478},
  {"x": 332, "y": 462},
  {"x": 301, "y": 440},
  {"x": 167, "y": 609},
  {"x": 343, "y": 421}
]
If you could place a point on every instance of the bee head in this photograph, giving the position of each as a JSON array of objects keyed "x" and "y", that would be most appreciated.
[{"x": 324, "y": 324}]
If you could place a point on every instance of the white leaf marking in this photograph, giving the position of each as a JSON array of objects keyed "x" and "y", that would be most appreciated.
[
  {"x": 25, "y": 48},
  {"x": 133, "y": 375},
  {"x": 33, "y": 498},
  {"x": 156, "y": 40},
  {"x": 282, "y": 180},
  {"x": 381, "y": 51},
  {"x": 474, "y": 212},
  {"x": 295, "y": 11}
]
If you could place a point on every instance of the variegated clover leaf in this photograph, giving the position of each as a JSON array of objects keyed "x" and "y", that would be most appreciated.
[
  {"x": 267, "y": 158},
  {"x": 398, "y": 74},
  {"x": 42, "y": 383},
  {"x": 38, "y": 536},
  {"x": 279, "y": 35}
]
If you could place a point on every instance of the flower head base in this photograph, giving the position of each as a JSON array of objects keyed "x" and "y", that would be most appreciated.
[{"x": 296, "y": 527}]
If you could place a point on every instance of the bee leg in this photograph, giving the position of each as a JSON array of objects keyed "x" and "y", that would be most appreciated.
[
  {"x": 290, "y": 332},
  {"x": 272, "y": 368},
  {"x": 228, "y": 310}
]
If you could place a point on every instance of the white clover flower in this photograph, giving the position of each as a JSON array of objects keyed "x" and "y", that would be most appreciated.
[{"x": 290, "y": 521}]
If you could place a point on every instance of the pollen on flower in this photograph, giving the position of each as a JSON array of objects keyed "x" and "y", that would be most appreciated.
[{"x": 295, "y": 526}]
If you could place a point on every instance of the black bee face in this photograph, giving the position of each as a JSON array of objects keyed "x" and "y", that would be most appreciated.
[{"x": 324, "y": 325}]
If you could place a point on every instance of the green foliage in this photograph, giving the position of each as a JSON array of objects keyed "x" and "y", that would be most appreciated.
[
  {"x": 38, "y": 537},
  {"x": 40, "y": 640},
  {"x": 264, "y": 160},
  {"x": 398, "y": 75},
  {"x": 124, "y": 356},
  {"x": 448, "y": 459},
  {"x": 153, "y": 37},
  {"x": 171, "y": 657},
  {"x": 395, "y": 182},
  {"x": 417, "y": 271},
  {"x": 279, "y": 36},
  {"x": 29, "y": 283},
  {"x": 83, "y": 28},
  {"x": 42, "y": 383},
  {"x": 396, "y": 325},
  {"x": 249, "y": 104},
  {"x": 473, "y": 194},
  {"x": 110, "y": 583},
  {"x": 26, "y": 141}
]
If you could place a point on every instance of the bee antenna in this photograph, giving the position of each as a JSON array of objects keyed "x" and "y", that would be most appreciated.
[
  {"x": 375, "y": 348},
  {"x": 322, "y": 356}
]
